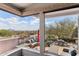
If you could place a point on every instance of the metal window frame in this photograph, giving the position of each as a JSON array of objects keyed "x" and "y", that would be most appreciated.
[{"x": 73, "y": 11}]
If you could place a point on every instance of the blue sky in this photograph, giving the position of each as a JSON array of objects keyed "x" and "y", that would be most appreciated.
[
  {"x": 61, "y": 18},
  {"x": 10, "y": 21}
]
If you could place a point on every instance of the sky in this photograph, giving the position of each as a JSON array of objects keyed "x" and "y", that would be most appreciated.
[
  {"x": 10, "y": 21},
  {"x": 29, "y": 23},
  {"x": 61, "y": 18}
]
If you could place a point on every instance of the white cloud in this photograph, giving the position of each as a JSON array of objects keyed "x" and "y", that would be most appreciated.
[
  {"x": 35, "y": 21},
  {"x": 3, "y": 26},
  {"x": 22, "y": 22},
  {"x": 12, "y": 20},
  {"x": 35, "y": 18},
  {"x": 14, "y": 23}
]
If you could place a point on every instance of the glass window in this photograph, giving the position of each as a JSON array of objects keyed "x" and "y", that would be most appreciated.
[
  {"x": 32, "y": 30},
  {"x": 24, "y": 29},
  {"x": 61, "y": 35}
]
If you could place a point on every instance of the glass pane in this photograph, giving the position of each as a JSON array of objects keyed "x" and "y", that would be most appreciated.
[
  {"x": 32, "y": 30},
  {"x": 61, "y": 35},
  {"x": 18, "y": 31}
]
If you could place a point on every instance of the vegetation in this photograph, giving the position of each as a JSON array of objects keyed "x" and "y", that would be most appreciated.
[
  {"x": 6, "y": 33},
  {"x": 62, "y": 29},
  {"x": 21, "y": 34}
]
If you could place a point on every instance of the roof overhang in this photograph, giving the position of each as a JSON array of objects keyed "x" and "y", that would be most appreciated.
[{"x": 25, "y": 9}]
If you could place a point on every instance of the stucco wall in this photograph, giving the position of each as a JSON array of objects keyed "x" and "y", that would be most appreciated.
[{"x": 6, "y": 45}]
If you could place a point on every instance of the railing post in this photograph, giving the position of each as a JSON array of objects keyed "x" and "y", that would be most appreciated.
[{"x": 42, "y": 32}]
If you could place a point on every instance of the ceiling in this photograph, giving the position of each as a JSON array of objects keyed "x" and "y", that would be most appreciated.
[
  {"x": 24, "y": 9},
  {"x": 19, "y": 5}
]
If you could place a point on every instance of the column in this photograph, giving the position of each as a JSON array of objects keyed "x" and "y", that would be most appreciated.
[{"x": 42, "y": 32}]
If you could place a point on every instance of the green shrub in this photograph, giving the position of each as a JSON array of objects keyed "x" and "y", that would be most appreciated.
[{"x": 6, "y": 33}]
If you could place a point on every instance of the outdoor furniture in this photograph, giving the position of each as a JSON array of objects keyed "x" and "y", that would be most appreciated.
[{"x": 58, "y": 50}]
